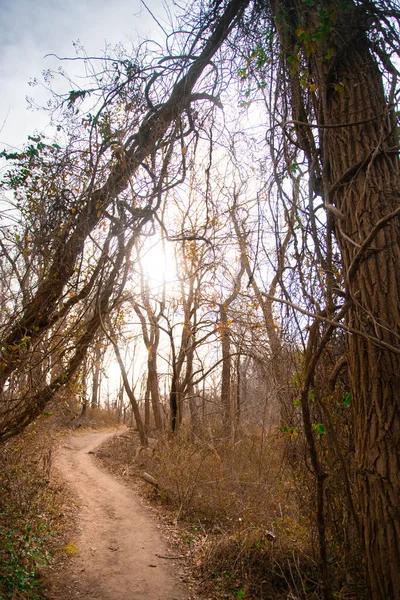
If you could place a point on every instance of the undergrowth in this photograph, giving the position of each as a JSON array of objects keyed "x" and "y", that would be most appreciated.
[
  {"x": 28, "y": 512},
  {"x": 244, "y": 515}
]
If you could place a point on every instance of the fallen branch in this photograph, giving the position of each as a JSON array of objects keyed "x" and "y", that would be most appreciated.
[
  {"x": 171, "y": 557},
  {"x": 150, "y": 480}
]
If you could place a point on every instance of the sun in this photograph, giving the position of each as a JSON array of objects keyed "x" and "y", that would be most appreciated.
[{"x": 159, "y": 266}]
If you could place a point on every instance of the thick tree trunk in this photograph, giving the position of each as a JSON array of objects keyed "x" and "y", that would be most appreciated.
[
  {"x": 359, "y": 147},
  {"x": 372, "y": 282}
]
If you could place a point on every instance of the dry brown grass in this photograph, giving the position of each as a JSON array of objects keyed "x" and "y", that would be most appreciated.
[
  {"x": 243, "y": 516},
  {"x": 68, "y": 415},
  {"x": 219, "y": 480}
]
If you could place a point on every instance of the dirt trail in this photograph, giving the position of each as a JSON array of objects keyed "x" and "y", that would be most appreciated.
[{"x": 119, "y": 546}]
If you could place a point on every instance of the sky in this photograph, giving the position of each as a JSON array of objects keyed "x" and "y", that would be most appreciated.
[{"x": 30, "y": 29}]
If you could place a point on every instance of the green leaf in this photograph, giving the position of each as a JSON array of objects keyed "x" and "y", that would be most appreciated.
[
  {"x": 347, "y": 398},
  {"x": 329, "y": 54},
  {"x": 74, "y": 95},
  {"x": 319, "y": 428}
]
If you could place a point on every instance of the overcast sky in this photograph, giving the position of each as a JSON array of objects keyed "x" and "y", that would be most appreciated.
[{"x": 30, "y": 29}]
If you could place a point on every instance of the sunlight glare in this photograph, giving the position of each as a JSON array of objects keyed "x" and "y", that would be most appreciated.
[{"x": 159, "y": 267}]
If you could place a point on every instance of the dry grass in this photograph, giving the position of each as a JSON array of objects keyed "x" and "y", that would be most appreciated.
[
  {"x": 244, "y": 518},
  {"x": 68, "y": 415},
  {"x": 97, "y": 418},
  {"x": 232, "y": 505},
  {"x": 220, "y": 481}
]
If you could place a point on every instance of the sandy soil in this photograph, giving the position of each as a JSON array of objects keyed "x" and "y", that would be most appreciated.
[{"x": 120, "y": 552}]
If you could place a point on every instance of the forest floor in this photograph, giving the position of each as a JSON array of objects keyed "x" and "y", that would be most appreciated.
[{"x": 117, "y": 550}]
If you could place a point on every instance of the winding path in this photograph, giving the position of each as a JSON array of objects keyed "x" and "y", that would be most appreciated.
[{"x": 119, "y": 550}]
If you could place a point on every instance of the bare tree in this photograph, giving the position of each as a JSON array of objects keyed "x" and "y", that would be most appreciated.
[
  {"x": 109, "y": 163},
  {"x": 149, "y": 316}
]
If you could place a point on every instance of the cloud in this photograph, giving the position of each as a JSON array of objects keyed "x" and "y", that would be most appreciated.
[{"x": 30, "y": 30}]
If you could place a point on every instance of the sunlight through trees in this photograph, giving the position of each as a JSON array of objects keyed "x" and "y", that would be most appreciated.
[{"x": 229, "y": 204}]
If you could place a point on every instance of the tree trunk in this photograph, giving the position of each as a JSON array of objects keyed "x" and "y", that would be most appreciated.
[
  {"x": 152, "y": 375},
  {"x": 147, "y": 406},
  {"x": 84, "y": 388},
  {"x": 173, "y": 405},
  {"x": 226, "y": 340},
  {"x": 238, "y": 395},
  {"x": 373, "y": 284},
  {"x": 190, "y": 390},
  {"x": 131, "y": 396},
  {"x": 359, "y": 145},
  {"x": 96, "y": 377},
  {"x": 120, "y": 402},
  {"x": 151, "y": 338},
  {"x": 226, "y": 371}
]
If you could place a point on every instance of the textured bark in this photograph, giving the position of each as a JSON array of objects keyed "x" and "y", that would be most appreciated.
[
  {"x": 359, "y": 155},
  {"x": 374, "y": 286}
]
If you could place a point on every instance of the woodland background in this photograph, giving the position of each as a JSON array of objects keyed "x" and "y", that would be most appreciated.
[{"x": 208, "y": 249}]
